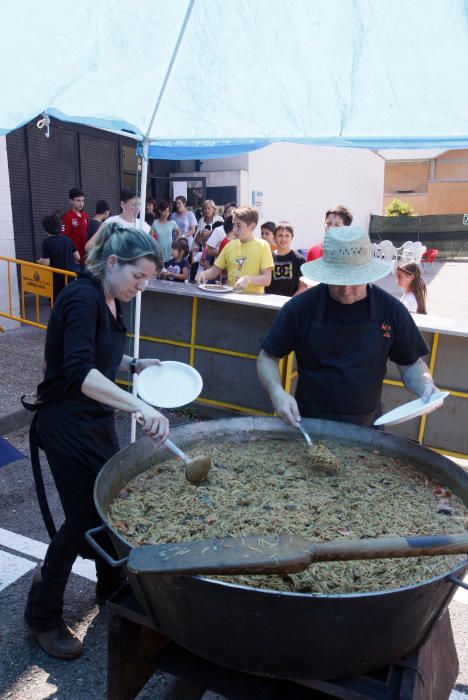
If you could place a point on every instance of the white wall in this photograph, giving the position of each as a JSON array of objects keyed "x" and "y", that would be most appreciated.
[
  {"x": 299, "y": 183},
  {"x": 7, "y": 241},
  {"x": 214, "y": 164}
]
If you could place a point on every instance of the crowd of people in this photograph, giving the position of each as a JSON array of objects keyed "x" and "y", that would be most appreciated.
[{"x": 193, "y": 247}]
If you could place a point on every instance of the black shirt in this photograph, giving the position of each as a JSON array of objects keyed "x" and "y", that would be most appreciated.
[
  {"x": 93, "y": 226},
  {"x": 405, "y": 343},
  {"x": 59, "y": 249},
  {"x": 286, "y": 274},
  {"x": 82, "y": 334}
]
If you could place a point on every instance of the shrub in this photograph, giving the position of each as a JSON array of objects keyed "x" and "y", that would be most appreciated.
[{"x": 399, "y": 208}]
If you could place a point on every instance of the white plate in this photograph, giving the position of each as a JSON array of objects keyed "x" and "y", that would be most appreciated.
[
  {"x": 412, "y": 409},
  {"x": 169, "y": 385},
  {"x": 215, "y": 288}
]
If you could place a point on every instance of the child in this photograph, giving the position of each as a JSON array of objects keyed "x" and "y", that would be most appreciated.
[
  {"x": 75, "y": 223},
  {"x": 178, "y": 267},
  {"x": 287, "y": 270},
  {"x": 337, "y": 216},
  {"x": 206, "y": 260},
  {"x": 408, "y": 277},
  {"x": 220, "y": 237},
  {"x": 267, "y": 232},
  {"x": 57, "y": 251},
  {"x": 247, "y": 260},
  {"x": 194, "y": 260}
]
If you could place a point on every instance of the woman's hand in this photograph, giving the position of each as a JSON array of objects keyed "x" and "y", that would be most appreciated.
[
  {"x": 144, "y": 363},
  {"x": 155, "y": 425}
]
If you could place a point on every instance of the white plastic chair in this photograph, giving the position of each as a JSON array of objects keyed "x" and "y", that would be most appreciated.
[
  {"x": 413, "y": 253},
  {"x": 389, "y": 253}
]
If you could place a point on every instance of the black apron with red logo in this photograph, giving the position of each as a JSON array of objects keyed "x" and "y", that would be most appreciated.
[{"x": 341, "y": 367}]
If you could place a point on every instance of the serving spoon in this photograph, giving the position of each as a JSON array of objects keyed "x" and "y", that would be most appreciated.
[
  {"x": 305, "y": 434},
  {"x": 196, "y": 468}
]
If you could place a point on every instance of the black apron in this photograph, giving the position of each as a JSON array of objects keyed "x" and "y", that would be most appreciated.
[
  {"x": 78, "y": 436},
  {"x": 341, "y": 367}
]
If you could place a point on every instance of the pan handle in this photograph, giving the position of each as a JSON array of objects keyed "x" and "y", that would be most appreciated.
[
  {"x": 458, "y": 582},
  {"x": 102, "y": 552}
]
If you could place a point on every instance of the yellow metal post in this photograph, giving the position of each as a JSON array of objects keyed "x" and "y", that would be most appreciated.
[
  {"x": 432, "y": 361},
  {"x": 193, "y": 332}
]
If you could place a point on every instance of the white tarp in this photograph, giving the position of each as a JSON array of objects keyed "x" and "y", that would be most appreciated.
[{"x": 368, "y": 73}]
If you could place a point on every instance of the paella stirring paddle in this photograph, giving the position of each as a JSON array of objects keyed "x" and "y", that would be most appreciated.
[
  {"x": 273, "y": 554},
  {"x": 196, "y": 468}
]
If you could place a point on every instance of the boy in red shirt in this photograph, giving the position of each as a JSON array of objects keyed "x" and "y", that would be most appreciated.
[
  {"x": 75, "y": 223},
  {"x": 338, "y": 216}
]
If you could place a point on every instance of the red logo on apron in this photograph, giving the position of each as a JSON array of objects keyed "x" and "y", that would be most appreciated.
[{"x": 386, "y": 328}]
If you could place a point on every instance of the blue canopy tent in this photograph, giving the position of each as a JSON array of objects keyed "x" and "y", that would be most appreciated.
[{"x": 202, "y": 79}]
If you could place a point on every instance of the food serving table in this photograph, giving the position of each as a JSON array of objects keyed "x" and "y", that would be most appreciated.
[{"x": 136, "y": 650}]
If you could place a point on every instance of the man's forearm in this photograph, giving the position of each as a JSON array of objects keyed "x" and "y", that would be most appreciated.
[
  {"x": 417, "y": 378},
  {"x": 269, "y": 375}
]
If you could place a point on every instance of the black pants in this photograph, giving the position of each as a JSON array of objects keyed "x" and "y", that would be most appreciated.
[{"x": 77, "y": 445}]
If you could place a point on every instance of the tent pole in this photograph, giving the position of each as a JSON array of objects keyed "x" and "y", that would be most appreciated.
[
  {"x": 136, "y": 341},
  {"x": 144, "y": 179}
]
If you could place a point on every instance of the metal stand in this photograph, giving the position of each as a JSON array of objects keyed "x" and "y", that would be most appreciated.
[{"x": 137, "y": 650}]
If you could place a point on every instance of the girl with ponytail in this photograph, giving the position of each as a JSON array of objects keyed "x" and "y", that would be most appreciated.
[
  {"x": 74, "y": 421},
  {"x": 408, "y": 277}
]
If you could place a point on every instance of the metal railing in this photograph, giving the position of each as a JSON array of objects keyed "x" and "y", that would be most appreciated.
[{"x": 34, "y": 280}]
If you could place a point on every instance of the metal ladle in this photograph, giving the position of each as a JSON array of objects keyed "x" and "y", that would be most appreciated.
[
  {"x": 196, "y": 468},
  {"x": 306, "y": 435}
]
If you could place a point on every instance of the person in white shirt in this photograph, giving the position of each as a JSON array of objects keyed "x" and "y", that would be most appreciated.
[
  {"x": 408, "y": 277},
  {"x": 185, "y": 220},
  {"x": 130, "y": 205},
  {"x": 208, "y": 216}
]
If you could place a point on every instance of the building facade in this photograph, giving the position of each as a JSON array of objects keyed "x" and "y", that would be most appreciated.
[{"x": 434, "y": 183}]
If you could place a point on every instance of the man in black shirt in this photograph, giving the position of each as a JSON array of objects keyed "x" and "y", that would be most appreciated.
[
  {"x": 287, "y": 269},
  {"x": 343, "y": 331}
]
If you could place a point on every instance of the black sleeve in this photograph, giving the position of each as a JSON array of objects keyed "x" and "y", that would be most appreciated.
[
  {"x": 81, "y": 316},
  {"x": 45, "y": 248},
  {"x": 281, "y": 338},
  {"x": 408, "y": 343},
  {"x": 297, "y": 272}
]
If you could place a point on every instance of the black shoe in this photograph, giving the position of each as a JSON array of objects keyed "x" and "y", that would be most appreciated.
[{"x": 60, "y": 641}]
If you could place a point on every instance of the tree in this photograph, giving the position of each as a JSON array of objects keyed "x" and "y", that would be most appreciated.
[{"x": 399, "y": 208}]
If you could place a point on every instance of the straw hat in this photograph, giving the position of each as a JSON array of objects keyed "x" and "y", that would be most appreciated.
[{"x": 347, "y": 259}]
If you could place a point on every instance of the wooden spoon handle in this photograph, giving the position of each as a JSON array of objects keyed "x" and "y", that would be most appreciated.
[{"x": 271, "y": 554}]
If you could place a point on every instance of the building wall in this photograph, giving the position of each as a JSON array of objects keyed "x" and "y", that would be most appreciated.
[
  {"x": 299, "y": 183},
  {"x": 439, "y": 185},
  {"x": 7, "y": 240}
]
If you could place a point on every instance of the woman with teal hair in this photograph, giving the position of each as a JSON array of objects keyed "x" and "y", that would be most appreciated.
[{"x": 74, "y": 421}]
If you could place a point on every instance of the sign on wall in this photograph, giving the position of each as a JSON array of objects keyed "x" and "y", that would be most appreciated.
[
  {"x": 36, "y": 281},
  {"x": 257, "y": 199},
  {"x": 465, "y": 219}
]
